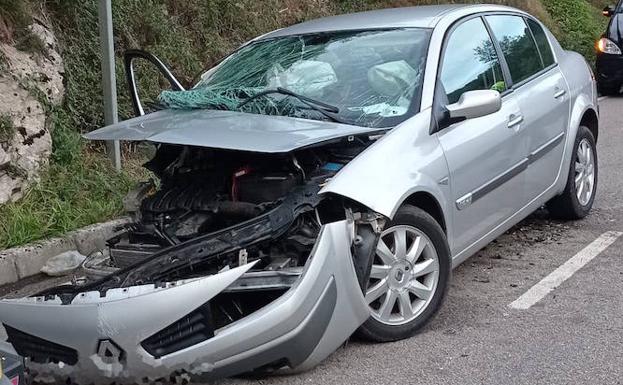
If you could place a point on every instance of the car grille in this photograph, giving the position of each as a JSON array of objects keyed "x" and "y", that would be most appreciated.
[
  {"x": 40, "y": 350},
  {"x": 194, "y": 328}
]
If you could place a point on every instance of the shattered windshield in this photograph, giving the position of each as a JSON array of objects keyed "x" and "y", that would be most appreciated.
[{"x": 368, "y": 78}]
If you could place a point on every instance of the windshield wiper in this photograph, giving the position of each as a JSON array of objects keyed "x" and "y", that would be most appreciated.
[
  {"x": 326, "y": 109},
  {"x": 319, "y": 103}
]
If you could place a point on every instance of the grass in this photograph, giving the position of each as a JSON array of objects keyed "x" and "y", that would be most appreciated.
[
  {"x": 14, "y": 15},
  {"x": 7, "y": 130},
  {"x": 79, "y": 186},
  {"x": 28, "y": 41},
  {"x": 68, "y": 197},
  {"x": 4, "y": 61}
]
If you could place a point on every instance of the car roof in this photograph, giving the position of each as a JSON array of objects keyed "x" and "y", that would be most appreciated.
[{"x": 426, "y": 16}]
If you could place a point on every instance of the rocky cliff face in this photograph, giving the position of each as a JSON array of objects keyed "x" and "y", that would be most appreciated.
[{"x": 29, "y": 84}]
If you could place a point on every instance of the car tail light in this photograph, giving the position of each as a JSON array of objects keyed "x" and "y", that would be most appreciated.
[{"x": 606, "y": 45}]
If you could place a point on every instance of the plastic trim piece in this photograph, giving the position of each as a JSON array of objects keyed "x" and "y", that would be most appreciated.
[{"x": 467, "y": 199}]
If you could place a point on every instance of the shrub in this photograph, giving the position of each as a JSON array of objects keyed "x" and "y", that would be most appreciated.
[{"x": 580, "y": 25}]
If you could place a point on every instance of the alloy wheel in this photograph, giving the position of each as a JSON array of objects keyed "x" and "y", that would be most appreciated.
[
  {"x": 404, "y": 275},
  {"x": 584, "y": 172}
]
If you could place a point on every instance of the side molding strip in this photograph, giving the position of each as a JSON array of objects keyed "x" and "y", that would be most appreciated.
[
  {"x": 468, "y": 199},
  {"x": 544, "y": 149}
]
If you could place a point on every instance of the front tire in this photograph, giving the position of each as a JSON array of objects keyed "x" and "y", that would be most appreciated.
[
  {"x": 577, "y": 199},
  {"x": 409, "y": 276}
]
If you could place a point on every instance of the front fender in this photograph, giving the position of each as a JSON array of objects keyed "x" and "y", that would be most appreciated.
[{"x": 405, "y": 161}]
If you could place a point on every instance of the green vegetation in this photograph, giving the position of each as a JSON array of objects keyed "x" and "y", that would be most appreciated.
[
  {"x": 7, "y": 130},
  {"x": 189, "y": 36},
  {"x": 79, "y": 186},
  {"x": 27, "y": 41},
  {"x": 580, "y": 24},
  {"x": 15, "y": 18},
  {"x": 68, "y": 197},
  {"x": 15, "y": 15}
]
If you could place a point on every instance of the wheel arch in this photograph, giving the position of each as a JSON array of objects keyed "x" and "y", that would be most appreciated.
[
  {"x": 591, "y": 121},
  {"x": 583, "y": 113},
  {"x": 428, "y": 203}
]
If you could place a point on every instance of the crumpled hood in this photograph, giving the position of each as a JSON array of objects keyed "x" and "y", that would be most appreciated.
[{"x": 227, "y": 130}]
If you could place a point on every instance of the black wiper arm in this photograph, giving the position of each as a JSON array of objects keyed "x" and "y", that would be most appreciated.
[
  {"x": 255, "y": 96},
  {"x": 325, "y": 106},
  {"x": 285, "y": 91},
  {"x": 326, "y": 109}
]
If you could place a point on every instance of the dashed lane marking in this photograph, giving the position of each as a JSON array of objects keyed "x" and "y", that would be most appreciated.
[{"x": 565, "y": 271}]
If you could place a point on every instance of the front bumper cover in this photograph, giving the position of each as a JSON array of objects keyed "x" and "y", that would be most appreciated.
[
  {"x": 609, "y": 67},
  {"x": 297, "y": 330}
]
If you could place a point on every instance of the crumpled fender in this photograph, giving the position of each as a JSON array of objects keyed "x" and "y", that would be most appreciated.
[{"x": 398, "y": 165}]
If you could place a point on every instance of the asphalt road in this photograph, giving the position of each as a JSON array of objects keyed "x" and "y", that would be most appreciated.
[{"x": 573, "y": 335}]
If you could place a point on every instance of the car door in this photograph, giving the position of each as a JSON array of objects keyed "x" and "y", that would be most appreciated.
[
  {"x": 486, "y": 155},
  {"x": 542, "y": 93}
]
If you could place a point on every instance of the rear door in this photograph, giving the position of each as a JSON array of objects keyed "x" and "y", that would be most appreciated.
[
  {"x": 542, "y": 93},
  {"x": 485, "y": 155}
]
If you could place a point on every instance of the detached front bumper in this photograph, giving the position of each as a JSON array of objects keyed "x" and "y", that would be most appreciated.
[{"x": 106, "y": 337}]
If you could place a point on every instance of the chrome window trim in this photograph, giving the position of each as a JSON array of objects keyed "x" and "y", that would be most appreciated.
[
  {"x": 442, "y": 51},
  {"x": 544, "y": 70},
  {"x": 535, "y": 76}
]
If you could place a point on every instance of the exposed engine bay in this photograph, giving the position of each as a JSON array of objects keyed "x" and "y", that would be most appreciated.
[
  {"x": 222, "y": 209},
  {"x": 214, "y": 210}
]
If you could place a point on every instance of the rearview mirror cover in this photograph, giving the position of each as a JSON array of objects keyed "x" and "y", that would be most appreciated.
[{"x": 474, "y": 104}]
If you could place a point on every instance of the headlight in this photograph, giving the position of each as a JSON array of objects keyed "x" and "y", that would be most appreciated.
[{"x": 607, "y": 46}]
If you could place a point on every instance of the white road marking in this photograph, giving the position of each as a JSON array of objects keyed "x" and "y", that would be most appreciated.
[
  {"x": 599, "y": 99},
  {"x": 565, "y": 271}
]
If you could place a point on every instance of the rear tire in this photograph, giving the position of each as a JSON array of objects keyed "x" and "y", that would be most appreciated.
[
  {"x": 408, "y": 279},
  {"x": 577, "y": 199}
]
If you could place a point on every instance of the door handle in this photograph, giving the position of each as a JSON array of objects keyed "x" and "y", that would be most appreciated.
[
  {"x": 514, "y": 120},
  {"x": 559, "y": 94}
]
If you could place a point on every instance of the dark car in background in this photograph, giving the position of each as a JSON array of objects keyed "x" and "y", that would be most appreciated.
[
  {"x": 11, "y": 366},
  {"x": 609, "y": 52}
]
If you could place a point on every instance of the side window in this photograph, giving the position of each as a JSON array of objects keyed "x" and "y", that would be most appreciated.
[
  {"x": 517, "y": 45},
  {"x": 541, "y": 41},
  {"x": 470, "y": 61}
]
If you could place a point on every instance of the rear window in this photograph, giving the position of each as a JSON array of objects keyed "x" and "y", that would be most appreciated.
[
  {"x": 541, "y": 41},
  {"x": 517, "y": 46}
]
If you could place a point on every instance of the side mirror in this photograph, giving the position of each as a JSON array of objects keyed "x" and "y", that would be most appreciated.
[
  {"x": 474, "y": 104},
  {"x": 608, "y": 11}
]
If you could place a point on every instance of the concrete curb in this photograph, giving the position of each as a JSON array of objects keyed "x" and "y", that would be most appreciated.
[{"x": 24, "y": 261}]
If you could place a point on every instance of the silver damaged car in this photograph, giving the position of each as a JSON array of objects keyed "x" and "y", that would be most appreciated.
[{"x": 322, "y": 180}]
